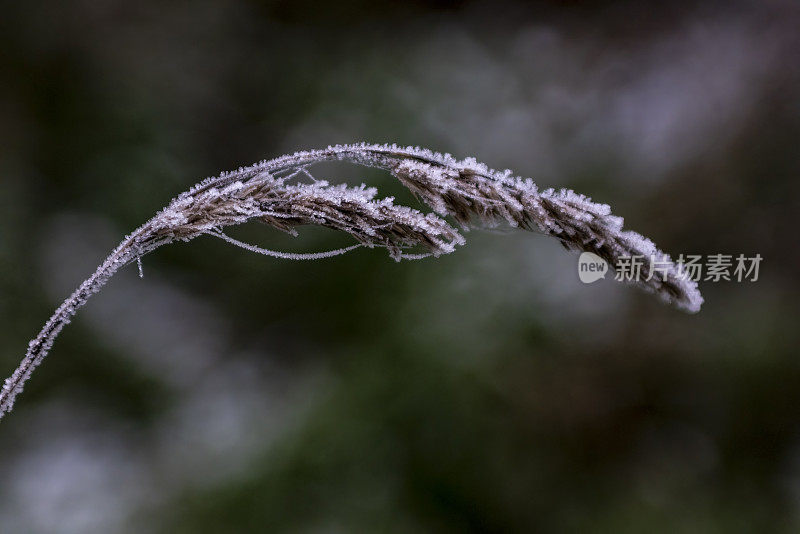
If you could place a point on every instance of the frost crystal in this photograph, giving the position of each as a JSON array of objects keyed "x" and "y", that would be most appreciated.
[{"x": 466, "y": 190}]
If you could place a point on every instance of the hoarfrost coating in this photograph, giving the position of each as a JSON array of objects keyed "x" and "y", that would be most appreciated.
[{"x": 466, "y": 190}]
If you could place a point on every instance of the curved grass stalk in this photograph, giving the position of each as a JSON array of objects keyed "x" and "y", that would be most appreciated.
[{"x": 465, "y": 190}]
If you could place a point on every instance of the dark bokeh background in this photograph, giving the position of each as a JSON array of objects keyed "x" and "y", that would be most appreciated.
[{"x": 484, "y": 391}]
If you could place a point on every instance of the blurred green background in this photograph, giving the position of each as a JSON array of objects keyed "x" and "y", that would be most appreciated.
[{"x": 485, "y": 391}]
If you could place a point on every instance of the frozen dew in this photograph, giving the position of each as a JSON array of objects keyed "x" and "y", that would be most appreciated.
[{"x": 466, "y": 191}]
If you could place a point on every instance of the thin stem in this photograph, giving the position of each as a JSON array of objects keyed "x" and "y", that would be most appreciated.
[{"x": 466, "y": 190}]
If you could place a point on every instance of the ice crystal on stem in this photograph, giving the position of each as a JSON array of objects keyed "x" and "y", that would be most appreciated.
[{"x": 467, "y": 191}]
